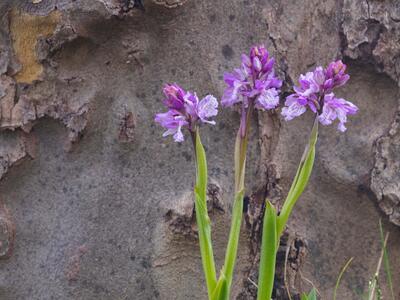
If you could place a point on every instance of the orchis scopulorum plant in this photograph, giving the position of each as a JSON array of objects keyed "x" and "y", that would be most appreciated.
[
  {"x": 252, "y": 86},
  {"x": 185, "y": 111}
]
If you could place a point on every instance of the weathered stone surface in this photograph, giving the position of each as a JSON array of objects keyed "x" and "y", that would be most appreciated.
[
  {"x": 372, "y": 34},
  {"x": 170, "y": 3},
  {"x": 113, "y": 217},
  {"x": 385, "y": 175},
  {"x": 7, "y": 232},
  {"x": 15, "y": 147}
]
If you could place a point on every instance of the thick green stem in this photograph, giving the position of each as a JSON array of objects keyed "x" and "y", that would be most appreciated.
[{"x": 202, "y": 218}]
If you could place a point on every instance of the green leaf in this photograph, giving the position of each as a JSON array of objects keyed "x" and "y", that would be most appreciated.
[
  {"x": 201, "y": 164},
  {"x": 221, "y": 289},
  {"x": 301, "y": 179},
  {"x": 268, "y": 254},
  {"x": 304, "y": 297},
  {"x": 312, "y": 295},
  {"x": 202, "y": 218}
]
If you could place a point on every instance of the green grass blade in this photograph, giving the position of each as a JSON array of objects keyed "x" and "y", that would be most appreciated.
[
  {"x": 301, "y": 179},
  {"x": 375, "y": 281},
  {"x": 386, "y": 261},
  {"x": 202, "y": 218},
  {"x": 340, "y": 277},
  {"x": 268, "y": 254}
]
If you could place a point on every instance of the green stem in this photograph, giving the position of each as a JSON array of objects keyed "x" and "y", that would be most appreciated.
[
  {"x": 237, "y": 210},
  {"x": 202, "y": 218}
]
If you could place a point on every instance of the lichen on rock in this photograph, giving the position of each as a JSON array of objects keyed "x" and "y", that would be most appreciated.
[
  {"x": 92, "y": 58},
  {"x": 26, "y": 30}
]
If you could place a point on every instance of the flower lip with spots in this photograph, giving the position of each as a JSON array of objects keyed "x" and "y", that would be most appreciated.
[
  {"x": 185, "y": 110},
  {"x": 315, "y": 91}
]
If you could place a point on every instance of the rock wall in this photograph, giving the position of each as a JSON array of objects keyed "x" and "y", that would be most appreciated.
[{"x": 96, "y": 205}]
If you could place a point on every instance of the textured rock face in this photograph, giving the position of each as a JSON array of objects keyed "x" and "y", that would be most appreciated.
[{"x": 101, "y": 205}]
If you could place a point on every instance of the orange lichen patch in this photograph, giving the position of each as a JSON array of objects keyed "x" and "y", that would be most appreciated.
[{"x": 25, "y": 31}]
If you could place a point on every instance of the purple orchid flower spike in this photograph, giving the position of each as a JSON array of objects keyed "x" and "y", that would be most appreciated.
[
  {"x": 254, "y": 84},
  {"x": 255, "y": 81},
  {"x": 315, "y": 91},
  {"x": 185, "y": 110}
]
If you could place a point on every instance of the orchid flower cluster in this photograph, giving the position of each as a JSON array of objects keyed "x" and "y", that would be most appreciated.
[
  {"x": 316, "y": 92},
  {"x": 185, "y": 111},
  {"x": 254, "y": 85}
]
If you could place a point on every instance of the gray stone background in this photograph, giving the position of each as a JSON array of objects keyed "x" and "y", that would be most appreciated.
[{"x": 101, "y": 205}]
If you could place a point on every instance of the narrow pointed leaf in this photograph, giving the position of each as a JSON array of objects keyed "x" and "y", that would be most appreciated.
[
  {"x": 301, "y": 179},
  {"x": 268, "y": 254},
  {"x": 201, "y": 163},
  {"x": 312, "y": 295},
  {"x": 221, "y": 289},
  {"x": 202, "y": 218}
]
